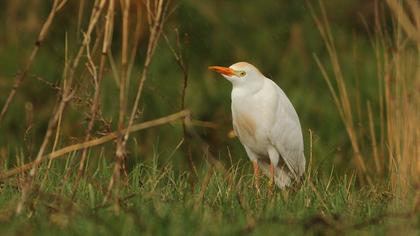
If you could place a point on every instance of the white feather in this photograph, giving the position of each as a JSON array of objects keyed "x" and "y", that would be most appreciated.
[{"x": 266, "y": 123}]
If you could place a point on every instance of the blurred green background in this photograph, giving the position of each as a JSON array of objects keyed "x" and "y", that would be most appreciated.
[{"x": 279, "y": 37}]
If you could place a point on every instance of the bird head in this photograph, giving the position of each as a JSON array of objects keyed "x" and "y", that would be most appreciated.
[{"x": 239, "y": 73}]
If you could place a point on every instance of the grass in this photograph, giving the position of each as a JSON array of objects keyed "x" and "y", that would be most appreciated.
[{"x": 156, "y": 199}]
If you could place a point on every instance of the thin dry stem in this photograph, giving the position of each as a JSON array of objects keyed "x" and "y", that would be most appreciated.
[
  {"x": 137, "y": 36},
  {"x": 65, "y": 98},
  {"x": 155, "y": 20},
  {"x": 398, "y": 70},
  {"x": 341, "y": 97},
  {"x": 179, "y": 58},
  {"x": 57, "y": 5},
  {"x": 121, "y": 149},
  {"x": 376, "y": 159},
  {"x": 97, "y": 90},
  {"x": 80, "y": 17},
  {"x": 96, "y": 142}
]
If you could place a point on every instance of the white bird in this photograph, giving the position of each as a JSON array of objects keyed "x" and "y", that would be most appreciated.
[{"x": 266, "y": 123}]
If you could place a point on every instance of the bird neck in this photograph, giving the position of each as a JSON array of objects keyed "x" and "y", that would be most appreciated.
[{"x": 249, "y": 87}]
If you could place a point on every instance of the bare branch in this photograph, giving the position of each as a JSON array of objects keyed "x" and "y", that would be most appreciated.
[
  {"x": 41, "y": 37},
  {"x": 96, "y": 142}
]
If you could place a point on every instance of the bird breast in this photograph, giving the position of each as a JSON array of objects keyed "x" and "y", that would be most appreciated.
[
  {"x": 245, "y": 123},
  {"x": 253, "y": 117}
]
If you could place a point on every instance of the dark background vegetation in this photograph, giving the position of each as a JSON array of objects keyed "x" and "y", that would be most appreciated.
[{"x": 279, "y": 37}]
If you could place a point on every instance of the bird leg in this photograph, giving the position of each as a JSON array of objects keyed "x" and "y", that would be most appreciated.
[
  {"x": 271, "y": 175},
  {"x": 274, "y": 161},
  {"x": 256, "y": 175}
]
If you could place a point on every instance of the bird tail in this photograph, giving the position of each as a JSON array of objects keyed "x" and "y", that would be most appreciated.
[{"x": 282, "y": 178}]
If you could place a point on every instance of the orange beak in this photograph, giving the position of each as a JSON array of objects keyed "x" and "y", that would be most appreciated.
[{"x": 222, "y": 70}]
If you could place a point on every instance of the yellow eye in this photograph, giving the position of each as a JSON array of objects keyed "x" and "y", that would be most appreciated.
[{"x": 242, "y": 73}]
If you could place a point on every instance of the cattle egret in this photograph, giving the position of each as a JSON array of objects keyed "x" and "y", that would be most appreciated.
[{"x": 266, "y": 123}]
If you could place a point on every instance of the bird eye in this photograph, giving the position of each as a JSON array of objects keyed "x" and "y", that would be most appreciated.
[{"x": 242, "y": 73}]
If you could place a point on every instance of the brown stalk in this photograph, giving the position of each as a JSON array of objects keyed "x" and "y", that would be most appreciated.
[
  {"x": 80, "y": 18},
  {"x": 376, "y": 159},
  {"x": 340, "y": 95},
  {"x": 381, "y": 60},
  {"x": 155, "y": 18},
  {"x": 57, "y": 137},
  {"x": 114, "y": 69},
  {"x": 203, "y": 189},
  {"x": 137, "y": 36},
  {"x": 403, "y": 18},
  {"x": 90, "y": 67},
  {"x": 125, "y": 8},
  {"x": 177, "y": 53},
  {"x": 381, "y": 83},
  {"x": 65, "y": 98},
  {"x": 310, "y": 168},
  {"x": 57, "y": 133},
  {"x": 398, "y": 74},
  {"x": 120, "y": 149},
  {"x": 402, "y": 97},
  {"x": 95, "y": 142},
  {"x": 107, "y": 39},
  {"x": 57, "y": 5}
]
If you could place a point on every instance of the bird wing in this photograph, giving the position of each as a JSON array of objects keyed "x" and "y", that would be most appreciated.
[{"x": 286, "y": 135}]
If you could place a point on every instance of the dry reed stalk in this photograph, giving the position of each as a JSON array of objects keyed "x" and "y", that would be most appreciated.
[
  {"x": 125, "y": 8},
  {"x": 179, "y": 58},
  {"x": 204, "y": 185},
  {"x": 107, "y": 39},
  {"x": 57, "y": 133},
  {"x": 92, "y": 72},
  {"x": 398, "y": 95},
  {"x": 377, "y": 161},
  {"x": 44, "y": 179},
  {"x": 381, "y": 59},
  {"x": 138, "y": 32},
  {"x": 80, "y": 18},
  {"x": 66, "y": 96},
  {"x": 57, "y": 5},
  {"x": 120, "y": 149},
  {"x": 340, "y": 95},
  {"x": 403, "y": 18},
  {"x": 156, "y": 16},
  {"x": 310, "y": 163},
  {"x": 402, "y": 88},
  {"x": 57, "y": 137},
  {"x": 95, "y": 142}
]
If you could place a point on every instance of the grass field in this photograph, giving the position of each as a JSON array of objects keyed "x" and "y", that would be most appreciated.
[
  {"x": 110, "y": 123},
  {"x": 156, "y": 199}
]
